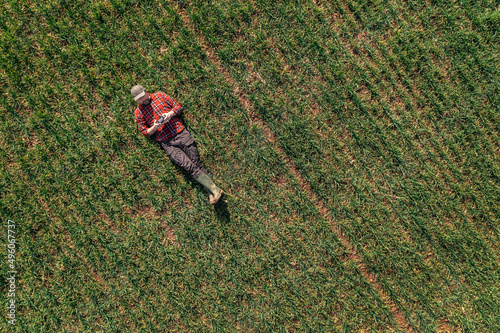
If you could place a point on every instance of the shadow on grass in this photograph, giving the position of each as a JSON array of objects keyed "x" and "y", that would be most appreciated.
[{"x": 221, "y": 210}]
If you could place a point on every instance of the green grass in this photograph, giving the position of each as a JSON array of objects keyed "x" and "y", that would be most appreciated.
[{"x": 389, "y": 111}]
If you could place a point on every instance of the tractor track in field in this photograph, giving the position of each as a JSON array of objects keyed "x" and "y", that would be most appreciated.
[{"x": 397, "y": 315}]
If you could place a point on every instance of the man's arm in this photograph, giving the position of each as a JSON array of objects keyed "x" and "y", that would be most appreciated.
[
  {"x": 175, "y": 108},
  {"x": 143, "y": 126},
  {"x": 150, "y": 131}
]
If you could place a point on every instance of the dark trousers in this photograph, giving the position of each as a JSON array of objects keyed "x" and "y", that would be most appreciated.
[{"x": 183, "y": 152}]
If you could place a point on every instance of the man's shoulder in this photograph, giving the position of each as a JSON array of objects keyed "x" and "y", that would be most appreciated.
[
  {"x": 161, "y": 98},
  {"x": 138, "y": 112}
]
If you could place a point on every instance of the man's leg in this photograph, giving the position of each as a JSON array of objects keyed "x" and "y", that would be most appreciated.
[
  {"x": 186, "y": 142},
  {"x": 192, "y": 152},
  {"x": 189, "y": 147},
  {"x": 179, "y": 158}
]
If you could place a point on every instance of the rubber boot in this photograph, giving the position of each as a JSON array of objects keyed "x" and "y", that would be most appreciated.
[
  {"x": 204, "y": 180},
  {"x": 210, "y": 195}
]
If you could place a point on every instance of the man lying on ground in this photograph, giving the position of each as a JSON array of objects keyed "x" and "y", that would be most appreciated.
[{"x": 158, "y": 117}]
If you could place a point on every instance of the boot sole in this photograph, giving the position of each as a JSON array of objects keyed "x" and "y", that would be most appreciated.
[{"x": 217, "y": 198}]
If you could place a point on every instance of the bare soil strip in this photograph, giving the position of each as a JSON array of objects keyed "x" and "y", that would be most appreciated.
[{"x": 320, "y": 206}]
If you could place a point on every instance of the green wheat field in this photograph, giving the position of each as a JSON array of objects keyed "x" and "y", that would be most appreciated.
[{"x": 357, "y": 142}]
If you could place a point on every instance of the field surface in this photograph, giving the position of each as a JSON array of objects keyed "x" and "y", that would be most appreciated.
[{"x": 357, "y": 143}]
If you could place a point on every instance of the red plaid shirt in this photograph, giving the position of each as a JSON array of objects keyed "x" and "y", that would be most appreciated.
[{"x": 160, "y": 104}]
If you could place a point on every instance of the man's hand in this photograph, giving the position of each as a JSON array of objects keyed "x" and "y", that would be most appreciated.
[
  {"x": 164, "y": 118},
  {"x": 167, "y": 116},
  {"x": 153, "y": 128}
]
